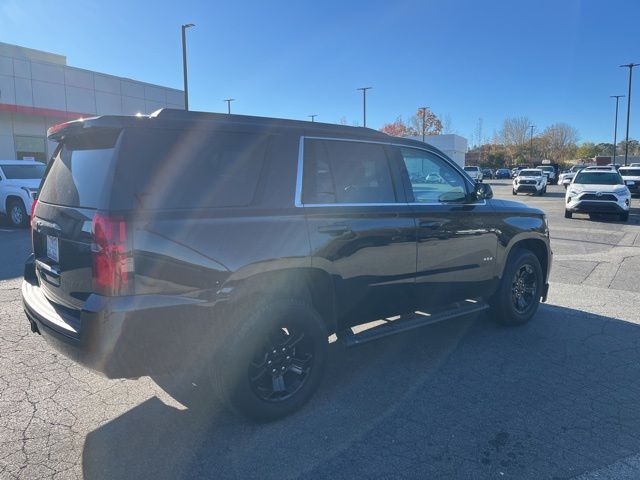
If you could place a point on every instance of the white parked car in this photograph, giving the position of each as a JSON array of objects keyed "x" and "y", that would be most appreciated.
[
  {"x": 530, "y": 180},
  {"x": 631, "y": 177},
  {"x": 598, "y": 191},
  {"x": 474, "y": 172},
  {"x": 19, "y": 182},
  {"x": 550, "y": 172},
  {"x": 566, "y": 177}
]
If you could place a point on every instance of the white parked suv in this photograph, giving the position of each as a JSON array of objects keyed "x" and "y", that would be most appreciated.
[
  {"x": 530, "y": 180},
  {"x": 19, "y": 182},
  {"x": 631, "y": 176},
  {"x": 566, "y": 177},
  {"x": 474, "y": 172},
  {"x": 598, "y": 191}
]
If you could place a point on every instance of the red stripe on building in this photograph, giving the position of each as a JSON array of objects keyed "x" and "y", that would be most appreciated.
[{"x": 47, "y": 112}]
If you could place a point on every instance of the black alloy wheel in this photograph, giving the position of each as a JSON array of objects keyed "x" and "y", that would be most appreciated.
[{"x": 282, "y": 366}]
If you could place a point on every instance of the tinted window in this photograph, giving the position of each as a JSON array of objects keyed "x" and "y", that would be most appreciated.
[
  {"x": 12, "y": 172},
  {"x": 630, "y": 172},
  {"x": 433, "y": 179},
  {"x": 80, "y": 173},
  {"x": 530, "y": 173},
  {"x": 346, "y": 172},
  {"x": 471, "y": 169},
  {"x": 598, "y": 178},
  {"x": 160, "y": 168}
]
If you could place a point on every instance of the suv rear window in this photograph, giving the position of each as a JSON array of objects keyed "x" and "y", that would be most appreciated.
[
  {"x": 81, "y": 171},
  {"x": 471, "y": 169},
  {"x": 626, "y": 172},
  {"x": 184, "y": 169}
]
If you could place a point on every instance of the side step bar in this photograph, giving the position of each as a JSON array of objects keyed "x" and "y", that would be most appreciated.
[{"x": 390, "y": 327}]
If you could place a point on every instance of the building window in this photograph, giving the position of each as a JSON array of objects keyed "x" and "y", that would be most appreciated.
[{"x": 31, "y": 148}]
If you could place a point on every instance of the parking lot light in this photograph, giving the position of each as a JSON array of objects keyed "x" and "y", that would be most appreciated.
[
  {"x": 615, "y": 128},
  {"x": 184, "y": 63},
  {"x": 626, "y": 141}
]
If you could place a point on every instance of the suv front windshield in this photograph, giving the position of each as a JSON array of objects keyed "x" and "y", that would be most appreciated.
[
  {"x": 530, "y": 173},
  {"x": 598, "y": 178},
  {"x": 23, "y": 172}
]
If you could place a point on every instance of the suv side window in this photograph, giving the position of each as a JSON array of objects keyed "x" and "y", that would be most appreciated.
[
  {"x": 433, "y": 180},
  {"x": 346, "y": 172}
]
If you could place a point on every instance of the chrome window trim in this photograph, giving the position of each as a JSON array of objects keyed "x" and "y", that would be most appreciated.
[{"x": 299, "y": 176}]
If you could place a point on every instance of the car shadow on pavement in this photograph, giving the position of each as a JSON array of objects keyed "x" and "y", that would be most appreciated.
[{"x": 554, "y": 398}]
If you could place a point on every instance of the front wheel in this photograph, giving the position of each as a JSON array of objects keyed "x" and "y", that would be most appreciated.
[
  {"x": 514, "y": 192},
  {"x": 518, "y": 296},
  {"x": 17, "y": 214},
  {"x": 275, "y": 361}
]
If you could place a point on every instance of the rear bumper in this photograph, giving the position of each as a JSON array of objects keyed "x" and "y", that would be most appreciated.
[{"x": 121, "y": 337}]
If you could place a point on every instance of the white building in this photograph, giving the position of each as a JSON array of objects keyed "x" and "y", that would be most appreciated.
[
  {"x": 453, "y": 145},
  {"x": 38, "y": 89}
]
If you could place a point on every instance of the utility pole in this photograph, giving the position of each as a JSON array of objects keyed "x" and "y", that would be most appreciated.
[
  {"x": 184, "y": 63},
  {"x": 364, "y": 104},
  {"x": 313, "y": 117},
  {"x": 229, "y": 100},
  {"x": 626, "y": 141},
  {"x": 615, "y": 128},
  {"x": 531, "y": 143},
  {"x": 424, "y": 120}
]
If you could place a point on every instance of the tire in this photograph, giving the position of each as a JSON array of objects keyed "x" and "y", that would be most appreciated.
[
  {"x": 544, "y": 190},
  {"x": 514, "y": 192},
  {"x": 518, "y": 295},
  {"x": 624, "y": 217},
  {"x": 568, "y": 214},
  {"x": 260, "y": 341},
  {"x": 17, "y": 214}
]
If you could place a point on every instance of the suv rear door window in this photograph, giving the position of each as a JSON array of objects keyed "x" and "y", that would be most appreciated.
[{"x": 346, "y": 172}]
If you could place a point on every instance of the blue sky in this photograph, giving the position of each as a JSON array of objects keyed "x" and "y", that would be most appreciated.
[{"x": 549, "y": 60}]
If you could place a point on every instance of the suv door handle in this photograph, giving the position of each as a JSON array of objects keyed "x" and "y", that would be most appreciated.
[
  {"x": 335, "y": 229},
  {"x": 433, "y": 225}
]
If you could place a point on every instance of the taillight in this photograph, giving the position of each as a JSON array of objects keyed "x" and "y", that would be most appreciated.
[
  {"x": 32, "y": 223},
  {"x": 112, "y": 257}
]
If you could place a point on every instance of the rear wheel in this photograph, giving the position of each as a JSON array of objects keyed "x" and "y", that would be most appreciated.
[
  {"x": 514, "y": 192},
  {"x": 518, "y": 296},
  {"x": 17, "y": 213},
  {"x": 275, "y": 361},
  {"x": 624, "y": 217},
  {"x": 568, "y": 214}
]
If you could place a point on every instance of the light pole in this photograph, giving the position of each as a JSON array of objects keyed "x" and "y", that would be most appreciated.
[
  {"x": 229, "y": 100},
  {"x": 424, "y": 120},
  {"x": 626, "y": 140},
  {"x": 184, "y": 63},
  {"x": 364, "y": 103},
  {"x": 313, "y": 117},
  {"x": 615, "y": 128},
  {"x": 531, "y": 143}
]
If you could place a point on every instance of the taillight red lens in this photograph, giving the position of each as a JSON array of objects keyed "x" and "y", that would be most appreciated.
[
  {"x": 33, "y": 210},
  {"x": 112, "y": 260}
]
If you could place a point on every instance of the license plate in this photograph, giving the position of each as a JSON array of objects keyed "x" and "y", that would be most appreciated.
[{"x": 52, "y": 248}]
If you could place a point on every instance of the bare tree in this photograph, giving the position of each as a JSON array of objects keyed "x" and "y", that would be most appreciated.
[
  {"x": 560, "y": 140},
  {"x": 447, "y": 125},
  {"x": 478, "y": 133},
  {"x": 514, "y": 131}
]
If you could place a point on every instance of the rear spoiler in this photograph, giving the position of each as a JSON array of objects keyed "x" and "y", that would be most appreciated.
[{"x": 58, "y": 132}]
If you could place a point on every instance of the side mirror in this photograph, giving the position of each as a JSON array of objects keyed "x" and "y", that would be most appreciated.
[{"x": 483, "y": 191}]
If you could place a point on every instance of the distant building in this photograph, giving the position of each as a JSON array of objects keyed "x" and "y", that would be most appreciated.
[
  {"x": 453, "y": 145},
  {"x": 38, "y": 89}
]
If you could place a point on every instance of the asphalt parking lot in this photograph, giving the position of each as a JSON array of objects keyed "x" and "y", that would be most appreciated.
[{"x": 557, "y": 398}]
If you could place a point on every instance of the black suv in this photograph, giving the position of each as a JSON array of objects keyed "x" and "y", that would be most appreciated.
[{"x": 236, "y": 245}]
